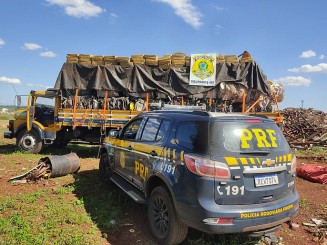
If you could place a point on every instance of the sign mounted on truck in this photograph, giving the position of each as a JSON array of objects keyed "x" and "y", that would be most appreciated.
[{"x": 203, "y": 67}]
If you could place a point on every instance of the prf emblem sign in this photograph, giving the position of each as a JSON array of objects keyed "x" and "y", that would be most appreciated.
[{"x": 203, "y": 70}]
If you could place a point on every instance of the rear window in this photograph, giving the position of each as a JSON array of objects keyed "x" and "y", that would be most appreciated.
[
  {"x": 246, "y": 137},
  {"x": 193, "y": 136}
]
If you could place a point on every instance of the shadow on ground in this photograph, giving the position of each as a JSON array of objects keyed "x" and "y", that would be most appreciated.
[
  {"x": 83, "y": 151},
  {"x": 8, "y": 149},
  {"x": 122, "y": 221}
]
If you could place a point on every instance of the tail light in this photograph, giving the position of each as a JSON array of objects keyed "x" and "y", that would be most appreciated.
[
  {"x": 206, "y": 167},
  {"x": 293, "y": 164},
  {"x": 218, "y": 220},
  {"x": 296, "y": 206}
]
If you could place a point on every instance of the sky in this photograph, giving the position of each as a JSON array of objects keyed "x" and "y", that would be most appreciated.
[{"x": 287, "y": 38}]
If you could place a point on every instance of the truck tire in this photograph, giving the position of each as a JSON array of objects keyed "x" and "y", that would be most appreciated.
[
  {"x": 29, "y": 141},
  {"x": 165, "y": 226},
  {"x": 104, "y": 168}
]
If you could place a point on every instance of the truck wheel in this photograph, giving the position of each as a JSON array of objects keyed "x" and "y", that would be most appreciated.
[
  {"x": 29, "y": 141},
  {"x": 165, "y": 226},
  {"x": 104, "y": 168}
]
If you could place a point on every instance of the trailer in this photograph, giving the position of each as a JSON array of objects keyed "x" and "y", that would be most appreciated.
[{"x": 92, "y": 96}]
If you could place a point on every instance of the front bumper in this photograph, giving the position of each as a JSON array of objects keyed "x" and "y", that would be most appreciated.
[
  {"x": 8, "y": 135},
  {"x": 247, "y": 218}
]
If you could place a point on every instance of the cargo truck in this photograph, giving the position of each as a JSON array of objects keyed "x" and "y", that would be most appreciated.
[{"x": 89, "y": 99}]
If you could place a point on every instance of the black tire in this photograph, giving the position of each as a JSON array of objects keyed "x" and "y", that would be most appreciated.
[
  {"x": 104, "y": 168},
  {"x": 29, "y": 141},
  {"x": 165, "y": 226}
]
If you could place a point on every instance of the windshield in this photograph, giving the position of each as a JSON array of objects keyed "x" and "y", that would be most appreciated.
[{"x": 246, "y": 137}]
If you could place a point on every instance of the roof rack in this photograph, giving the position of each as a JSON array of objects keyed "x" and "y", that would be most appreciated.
[{"x": 162, "y": 106}]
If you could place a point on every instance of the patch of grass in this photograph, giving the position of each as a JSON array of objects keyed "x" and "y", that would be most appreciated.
[
  {"x": 102, "y": 202},
  {"x": 11, "y": 108},
  {"x": 324, "y": 209},
  {"x": 69, "y": 214},
  {"x": 36, "y": 219},
  {"x": 198, "y": 238},
  {"x": 6, "y": 116},
  {"x": 314, "y": 152},
  {"x": 304, "y": 204}
]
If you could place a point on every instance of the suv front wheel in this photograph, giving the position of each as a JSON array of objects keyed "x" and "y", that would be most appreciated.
[
  {"x": 164, "y": 224},
  {"x": 104, "y": 168}
]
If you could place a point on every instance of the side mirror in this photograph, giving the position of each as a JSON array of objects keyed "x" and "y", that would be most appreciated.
[
  {"x": 174, "y": 141},
  {"x": 113, "y": 133}
]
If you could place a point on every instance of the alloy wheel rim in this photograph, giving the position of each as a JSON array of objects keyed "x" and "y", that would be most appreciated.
[
  {"x": 29, "y": 142},
  {"x": 160, "y": 216}
]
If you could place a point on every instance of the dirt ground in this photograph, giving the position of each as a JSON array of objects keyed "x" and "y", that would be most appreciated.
[
  {"x": 313, "y": 200},
  {"x": 313, "y": 204}
]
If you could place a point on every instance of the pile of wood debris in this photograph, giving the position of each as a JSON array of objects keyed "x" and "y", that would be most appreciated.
[{"x": 304, "y": 128}]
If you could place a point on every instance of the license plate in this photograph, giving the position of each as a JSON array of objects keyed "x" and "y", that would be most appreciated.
[{"x": 265, "y": 180}]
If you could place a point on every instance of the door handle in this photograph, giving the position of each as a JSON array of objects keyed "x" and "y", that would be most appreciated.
[
  {"x": 153, "y": 153},
  {"x": 130, "y": 148}
]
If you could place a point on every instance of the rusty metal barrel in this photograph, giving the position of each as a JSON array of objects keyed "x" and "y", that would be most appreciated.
[{"x": 62, "y": 165}]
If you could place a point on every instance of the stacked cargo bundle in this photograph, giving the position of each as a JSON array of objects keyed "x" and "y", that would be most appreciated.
[
  {"x": 84, "y": 59},
  {"x": 110, "y": 60},
  {"x": 246, "y": 60},
  {"x": 178, "y": 59},
  {"x": 72, "y": 58},
  {"x": 165, "y": 62},
  {"x": 151, "y": 60},
  {"x": 231, "y": 59},
  {"x": 220, "y": 58},
  {"x": 138, "y": 59},
  {"x": 246, "y": 57},
  {"x": 124, "y": 61},
  {"x": 97, "y": 60},
  {"x": 187, "y": 60}
]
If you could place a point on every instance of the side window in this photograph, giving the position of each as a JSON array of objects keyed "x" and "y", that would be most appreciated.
[
  {"x": 131, "y": 130},
  {"x": 164, "y": 126},
  {"x": 186, "y": 134},
  {"x": 150, "y": 129},
  {"x": 193, "y": 136}
]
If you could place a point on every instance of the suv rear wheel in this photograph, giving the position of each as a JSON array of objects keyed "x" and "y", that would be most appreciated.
[
  {"x": 29, "y": 141},
  {"x": 164, "y": 224},
  {"x": 104, "y": 168}
]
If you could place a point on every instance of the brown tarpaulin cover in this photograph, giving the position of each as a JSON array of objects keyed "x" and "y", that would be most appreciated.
[{"x": 143, "y": 78}]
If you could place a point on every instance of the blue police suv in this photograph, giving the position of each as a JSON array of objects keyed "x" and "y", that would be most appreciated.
[{"x": 215, "y": 172}]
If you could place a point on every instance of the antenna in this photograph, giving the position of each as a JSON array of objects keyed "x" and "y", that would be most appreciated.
[{"x": 14, "y": 89}]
